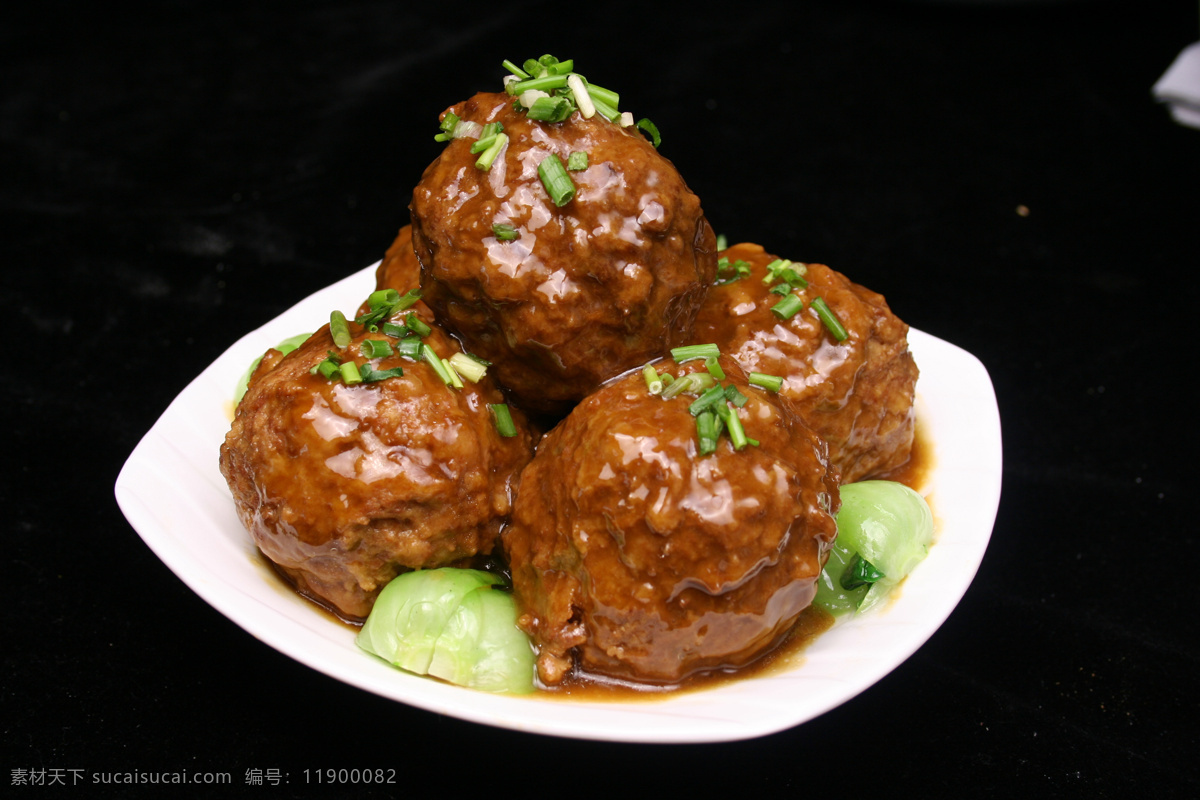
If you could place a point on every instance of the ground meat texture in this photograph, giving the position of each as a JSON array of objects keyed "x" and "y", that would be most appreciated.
[
  {"x": 605, "y": 282},
  {"x": 343, "y": 487},
  {"x": 635, "y": 557},
  {"x": 399, "y": 268},
  {"x": 857, "y": 394}
]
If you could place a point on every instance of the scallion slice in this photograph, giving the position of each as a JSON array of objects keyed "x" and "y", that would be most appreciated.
[
  {"x": 455, "y": 378},
  {"x": 770, "y": 382},
  {"x": 504, "y": 231},
  {"x": 830, "y": 319},
  {"x": 410, "y": 348},
  {"x": 652, "y": 129},
  {"x": 714, "y": 368},
  {"x": 417, "y": 325},
  {"x": 488, "y": 156},
  {"x": 468, "y": 366},
  {"x": 737, "y": 434},
  {"x": 554, "y": 177},
  {"x": 375, "y": 348},
  {"x": 654, "y": 382},
  {"x": 577, "y": 160},
  {"x": 503, "y": 419},
  {"x": 350, "y": 374},
  {"x": 706, "y": 432},
  {"x": 788, "y": 307},
  {"x": 691, "y": 351},
  {"x": 551, "y": 109},
  {"x": 708, "y": 400},
  {"x": 582, "y": 99},
  {"x": 371, "y": 375},
  {"x": 339, "y": 329},
  {"x": 435, "y": 361},
  {"x": 691, "y": 383},
  {"x": 514, "y": 69}
]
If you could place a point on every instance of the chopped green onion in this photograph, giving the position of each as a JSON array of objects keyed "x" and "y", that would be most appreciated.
[
  {"x": 371, "y": 375},
  {"x": 375, "y": 348},
  {"x": 468, "y": 366},
  {"x": 514, "y": 69},
  {"x": 708, "y": 400},
  {"x": 714, "y": 368},
  {"x": 609, "y": 112},
  {"x": 503, "y": 419},
  {"x": 602, "y": 95},
  {"x": 554, "y": 177},
  {"x": 733, "y": 422},
  {"x": 329, "y": 367},
  {"x": 691, "y": 351},
  {"x": 652, "y": 129},
  {"x": 385, "y": 302},
  {"x": 830, "y": 319},
  {"x": 350, "y": 374},
  {"x": 654, "y": 382},
  {"x": 410, "y": 348},
  {"x": 543, "y": 83},
  {"x": 706, "y": 432},
  {"x": 722, "y": 242},
  {"x": 447, "y": 125},
  {"x": 417, "y": 326},
  {"x": 434, "y": 360},
  {"x": 483, "y": 143},
  {"x": 504, "y": 232},
  {"x": 582, "y": 99},
  {"x": 486, "y": 158},
  {"x": 339, "y": 329},
  {"x": 728, "y": 273},
  {"x": 770, "y": 382},
  {"x": 455, "y": 379},
  {"x": 692, "y": 383},
  {"x": 551, "y": 109},
  {"x": 734, "y": 395},
  {"x": 781, "y": 288},
  {"x": 788, "y": 307},
  {"x": 577, "y": 160}
]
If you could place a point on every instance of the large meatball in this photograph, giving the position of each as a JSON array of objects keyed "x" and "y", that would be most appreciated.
[
  {"x": 857, "y": 393},
  {"x": 636, "y": 556},
  {"x": 344, "y": 486},
  {"x": 586, "y": 290}
]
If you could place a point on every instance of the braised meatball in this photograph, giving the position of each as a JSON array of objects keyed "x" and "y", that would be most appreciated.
[
  {"x": 607, "y": 281},
  {"x": 399, "y": 268},
  {"x": 638, "y": 557},
  {"x": 857, "y": 393},
  {"x": 344, "y": 486}
]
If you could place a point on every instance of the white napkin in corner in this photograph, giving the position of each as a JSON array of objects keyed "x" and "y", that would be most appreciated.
[{"x": 1179, "y": 87}]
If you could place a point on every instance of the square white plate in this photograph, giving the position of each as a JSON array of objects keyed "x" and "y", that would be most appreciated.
[{"x": 173, "y": 494}]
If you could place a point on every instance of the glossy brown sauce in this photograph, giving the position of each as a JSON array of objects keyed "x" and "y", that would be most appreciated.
[{"x": 787, "y": 655}]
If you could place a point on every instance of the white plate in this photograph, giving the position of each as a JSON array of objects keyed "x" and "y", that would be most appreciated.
[{"x": 173, "y": 494}]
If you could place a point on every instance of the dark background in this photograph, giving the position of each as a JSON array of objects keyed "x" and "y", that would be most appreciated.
[{"x": 175, "y": 174}]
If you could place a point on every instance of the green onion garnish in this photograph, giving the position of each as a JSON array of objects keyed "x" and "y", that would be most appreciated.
[
  {"x": 706, "y": 432},
  {"x": 434, "y": 360},
  {"x": 708, "y": 400},
  {"x": 734, "y": 395},
  {"x": 788, "y": 307},
  {"x": 692, "y": 383},
  {"x": 455, "y": 378},
  {"x": 654, "y": 382},
  {"x": 554, "y": 177},
  {"x": 410, "y": 348},
  {"x": 602, "y": 95},
  {"x": 577, "y": 160},
  {"x": 691, "y": 351},
  {"x": 350, "y": 374},
  {"x": 504, "y": 232},
  {"x": 722, "y": 242},
  {"x": 394, "y": 330},
  {"x": 486, "y": 158},
  {"x": 714, "y": 368},
  {"x": 503, "y": 419},
  {"x": 447, "y": 126},
  {"x": 551, "y": 109},
  {"x": 514, "y": 69},
  {"x": 370, "y": 375},
  {"x": 339, "y": 329},
  {"x": 734, "y": 423},
  {"x": 375, "y": 348},
  {"x": 652, "y": 129},
  {"x": 830, "y": 319},
  {"x": 416, "y": 325},
  {"x": 770, "y": 382},
  {"x": 468, "y": 366},
  {"x": 385, "y": 302}
]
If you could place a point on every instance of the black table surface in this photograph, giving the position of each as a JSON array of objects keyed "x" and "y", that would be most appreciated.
[{"x": 175, "y": 175}]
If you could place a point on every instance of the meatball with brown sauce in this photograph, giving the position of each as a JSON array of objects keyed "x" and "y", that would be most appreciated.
[
  {"x": 342, "y": 486},
  {"x": 637, "y": 557},
  {"x": 858, "y": 393},
  {"x": 399, "y": 268},
  {"x": 607, "y": 281}
]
